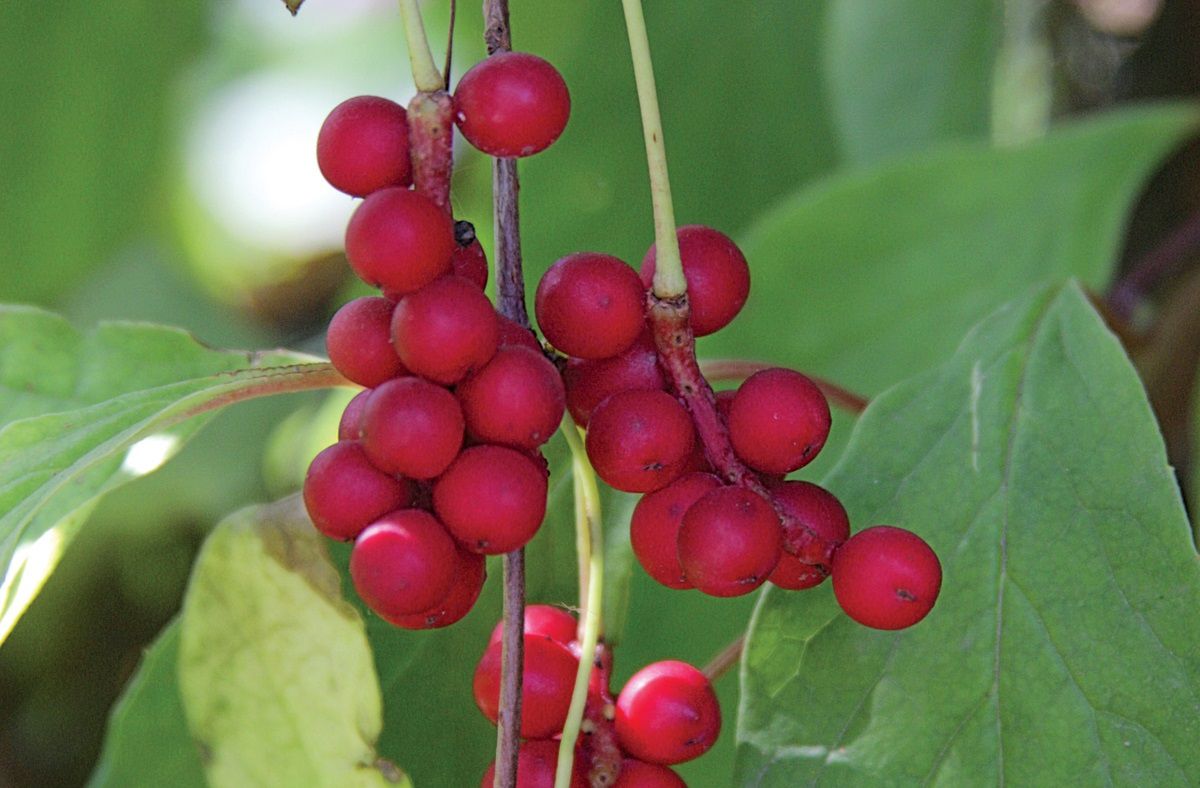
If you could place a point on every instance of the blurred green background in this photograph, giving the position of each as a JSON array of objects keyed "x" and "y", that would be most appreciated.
[{"x": 158, "y": 165}]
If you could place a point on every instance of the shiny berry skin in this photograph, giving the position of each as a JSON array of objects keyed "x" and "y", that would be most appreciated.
[
  {"x": 654, "y": 527},
  {"x": 412, "y": 428},
  {"x": 400, "y": 241},
  {"x": 667, "y": 713},
  {"x": 590, "y": 381},
  {"x": 823, "y": 514},
  {"x": 403, "y": 563},
  {"x": 886, "y": 577},
  {"x": 512, "y": 104},
  {"x": 491, "y": 498},
  {"x": 548, "y": 678},
  {"x": 470, "y": 572},
  {"x": 729, "y": 542},
  {"x": 545, "y": 620},
  {"x": 445, "y": 330},
  {"x": 469, "y": 261},
  {"x": 537, "y": 762},
  {"x": 718, "y": 277},
  {"x": 363, "y": 146},
  {"x": 639, "y": 774},
  {"x": 590, "y": 305},
  {"x": 359, "y": 341},
  {"x": 640, "y": 441},
  {"x": 778, "y": 421},
  {"x": 516, "y": 400},
  {"x": 350, "y": 424},
  {"x": 513, "y": 334},
  {"x": 344, "y": 492}
]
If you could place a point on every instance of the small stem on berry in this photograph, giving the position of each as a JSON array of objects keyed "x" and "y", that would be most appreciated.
[
  {"x": 739, "y": 369},
  {"x": 589, "y": 532},
  {"x": 425, "y": 72},
  {"x": 512, "y": 660},
  {"x": 669, "y": 281},
  {"x": 725, "y": 659}
]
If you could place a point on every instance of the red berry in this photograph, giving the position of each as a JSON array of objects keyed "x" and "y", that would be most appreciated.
[
  {"x": 639, "y": 774},
  {"x": 537, "y": 762},
  {"x": 654, "y": 527},
  {"x": 512, "y": 104},
  {"x": 399, "y": 240},
  {"x": 344, "y": 492},
  {"x": 886, "y": 577},
  {"x": 590, "y": 305},
  {"x": 359, "y": 342},
  {"x": 469, "y": 260},
  {"x": 469, "y": 576},
  {"x": 590, "y": 381},
  {"x": 823, "y": 514},
  {"x": 516, "y": 400},
  {"x": 718, "y": 277},
  {"x": 778, "y": 421},
  {"x": 546, "y": 620},
  {"x": 513, "y": 334},
  {"x": 492, "y": 499},
  {"x": 729, "y": 542},
  {"x": 667, "y": 713},
  {"x": 548, "y": 678},
  {"x": 445, "y": 330},
  {"x": 363, "y": 146},
  {"x": 350, "y": 425},
  {"x": 403, "y": 563},
  {"x": 639, "y": 441},
  {"x": 412, "y": 428}
]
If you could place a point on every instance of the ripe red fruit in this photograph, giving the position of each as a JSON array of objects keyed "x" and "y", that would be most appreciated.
[
  {"x": 590, "y": 381},
  {"x": 778, "y": 421},
  {"x": 399, "y": 240},
  {"x": 718, "y": 277},
  {"x": 513, "y": 333},
  {"x": 412, "y": 428},
  {"x": 639, "y": 441},
  {"x": 403, "y": 563},
  {"x": 639, "y": 774},
  {"x": 491, "y": 498},
  {"x": 350, "y": 425},
  {"x": 359, "y": 341},
  {"x": 729, "y": 542},
  {"x": 516, "y": 400},
  {"x": 667, "y": 713},
  {"x": 537, "y": 762},
  {"x": 445, "y": 330},
  {"x": 344, "y": 492},
  {"x": 469, "y": 575},
  {"x": 654, "y": 527},
  {"x": 819, "y": 510},
  {"x": 469, "y": 261},
  {"x": 886, "y": 577},
  {"x": 512, "y": 104},
  {"x": 363, "y": 146},
  {"x": 590, "y": 305},
  {"x": 545, "y": 620},
  {"x": 548, "y": 678}
]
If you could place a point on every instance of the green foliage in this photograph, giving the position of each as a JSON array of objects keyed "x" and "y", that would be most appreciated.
[{"x": 1063, "y": 649}]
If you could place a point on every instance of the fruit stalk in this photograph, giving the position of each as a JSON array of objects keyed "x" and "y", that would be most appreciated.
[
  {"x": 431, "y": 134},
  {"x": 425, "y": 72}
]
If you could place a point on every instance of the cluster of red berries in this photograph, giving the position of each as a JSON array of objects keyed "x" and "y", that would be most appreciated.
[
  {"x": 667, "y": 713},
  {"x": 437, "y": 462}
]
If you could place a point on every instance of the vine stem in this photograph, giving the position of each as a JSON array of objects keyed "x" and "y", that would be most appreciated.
[
  {"x": 589, "y": 532},
  {"x": 425, "y": 72},
  {"x": 725, "y": 659}
]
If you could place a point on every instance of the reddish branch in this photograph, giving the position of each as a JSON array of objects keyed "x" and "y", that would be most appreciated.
[
  {"x": 430, "y": 130},
  {"x": 598, "y": 747}
]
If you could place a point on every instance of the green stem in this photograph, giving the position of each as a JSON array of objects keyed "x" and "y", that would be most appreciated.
[
  {"x": 425, "y": 72},
  {"x": 669, "y": 281},
  {"x": 590, "y": 539}
]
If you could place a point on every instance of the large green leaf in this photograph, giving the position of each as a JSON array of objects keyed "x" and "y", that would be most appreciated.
[
  {"x": 906, "y": 74},
  {"x": 1064, "y": 649},
  {"x": 275, "y": 671},
  {"x": 871, "y": 277},
  {"x": 83, "y": 413}
]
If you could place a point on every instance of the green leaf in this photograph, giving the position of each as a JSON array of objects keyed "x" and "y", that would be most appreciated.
[
  {"x": 275, "y": 670},
  {"x": 906, "y": 74},
  {"x": 1063, "y": 649},
  {"x": 148, "y": 741},
  {"x": 870, "y": 277},
  {"x": 83, "y": 413}
]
